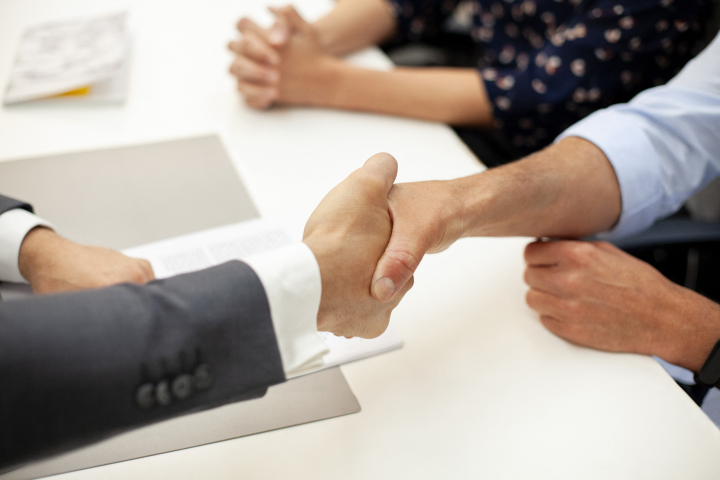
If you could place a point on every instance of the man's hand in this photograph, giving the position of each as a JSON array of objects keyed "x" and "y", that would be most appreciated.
[
  {"x": 569, "y": 189},
  {"x": 283, "y": 64},
  {"x": 348, "y": 232},
  {"x": 53, "y": 264},
  {"x": 426, "y": 219},
  {"x": 594, "y": 294}
]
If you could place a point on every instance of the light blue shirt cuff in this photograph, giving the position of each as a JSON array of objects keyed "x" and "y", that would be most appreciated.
[{"x": 625, "y": 144}]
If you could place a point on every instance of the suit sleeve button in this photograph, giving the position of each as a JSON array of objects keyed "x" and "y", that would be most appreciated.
[
  {"x": 182, "y": 386},
  {"x": 203, "y": 377},
  {"x": 145, "y": 396},
  {"x": 162, "y": 393}
]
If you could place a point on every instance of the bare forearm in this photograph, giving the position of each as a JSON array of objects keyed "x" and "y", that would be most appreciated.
[
  {"x": 566, "y": 190},
  {"x": 354, "y": 25},
  {"x": 449, "y": 95}
]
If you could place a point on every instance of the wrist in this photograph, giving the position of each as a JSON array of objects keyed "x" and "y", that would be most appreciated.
[
  {"x": 326, "y": 35},
  {"x": 34, "y": 250},
  {"x": 457, "y": 211},
  {"x": 322, "y": 244},
  {"x": 694, "y": 328},
  {"x": 478, "y": 212},
  {"x": 324, "y": 249},
  {"x": 334, "y": 84}
]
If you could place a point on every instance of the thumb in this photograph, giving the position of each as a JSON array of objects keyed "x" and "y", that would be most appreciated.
[
  {"x": 287, "y": 22},
  {"x": 398, "y": 264},
  {"x": 378, "y": 176}
]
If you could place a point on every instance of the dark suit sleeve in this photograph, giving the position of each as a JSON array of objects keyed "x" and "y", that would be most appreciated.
[
  {"x": 80, "y": 367},
  {"x": 7, "y": 203}
]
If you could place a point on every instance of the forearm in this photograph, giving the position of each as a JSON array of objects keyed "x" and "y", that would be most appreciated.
[
  {"x": 448, "y": 95},
  {"x": 566, "y": 190},
  {"x": 85, "y": 354},
  {"x": 355, "y": 24}
]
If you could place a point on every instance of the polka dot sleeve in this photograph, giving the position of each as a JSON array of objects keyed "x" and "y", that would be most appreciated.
[{"x": 558, "y": 70}]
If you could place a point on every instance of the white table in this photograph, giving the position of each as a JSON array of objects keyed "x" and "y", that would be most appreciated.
[{"x": 480, "y": 390}]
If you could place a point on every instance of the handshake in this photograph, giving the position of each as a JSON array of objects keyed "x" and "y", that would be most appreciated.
[{"x": 367, "y": 236}]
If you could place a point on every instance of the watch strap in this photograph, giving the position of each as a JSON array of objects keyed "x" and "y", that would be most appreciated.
[{"x": 709, "y": 374}]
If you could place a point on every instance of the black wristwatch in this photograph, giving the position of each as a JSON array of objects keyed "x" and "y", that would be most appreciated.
[{"x": 709, "y": 374}]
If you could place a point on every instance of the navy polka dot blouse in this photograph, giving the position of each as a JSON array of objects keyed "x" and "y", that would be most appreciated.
[{"x": 548, "y": 63}]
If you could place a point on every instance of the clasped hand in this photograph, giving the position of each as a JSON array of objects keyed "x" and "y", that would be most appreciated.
[
  {"x": 282, "y": 64},
  {"x": 348, "y": 233}
]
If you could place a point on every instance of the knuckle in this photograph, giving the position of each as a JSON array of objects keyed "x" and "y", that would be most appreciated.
[
  {"x": 555, "y": 326},
  {"x": 243, "y": 46},
  {"x": 371, "y": 178},
  {"x": 530, "y": 250},
  {"x": 571, "y": 308},
  {"x": 405, "y": 261},
  {"x": 244, "y": 24},
  {"x": 569, "y": 282},
  {"x": 250, "y": 44},
  {"x": 147, "y": 269},
  {"x": 136, "y": 276},
  {"x": 580, "y": 252},
  {"x": 549, "y": 322},
  {"x": 528, "y": 277},
  {"x": 532, "y": 298}
]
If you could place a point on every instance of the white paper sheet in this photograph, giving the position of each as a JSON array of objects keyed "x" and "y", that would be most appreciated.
[
  {"x": 59, "y": 57},
  {"x": 188, "y": 253}
]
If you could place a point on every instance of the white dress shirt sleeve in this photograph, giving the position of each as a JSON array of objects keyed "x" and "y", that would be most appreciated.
[
  {"x": 664, "y": 144},
  {"x": 14, "y": 225},
  {"x": 291, "y": 278}
]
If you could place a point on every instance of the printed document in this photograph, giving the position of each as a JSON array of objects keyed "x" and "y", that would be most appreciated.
[{"x": 71, "y": 58}]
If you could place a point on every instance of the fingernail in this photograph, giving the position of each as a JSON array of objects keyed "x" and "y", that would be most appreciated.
[
  {"x": 277, "y": 36},
  {"x": 383, "y": 289}
]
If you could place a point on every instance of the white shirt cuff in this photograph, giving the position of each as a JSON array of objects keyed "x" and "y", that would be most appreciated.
[
  {"x": 14, "y": 225},
  {"x": 630, "y": 152},
  {"x": 291, "y": 278}
]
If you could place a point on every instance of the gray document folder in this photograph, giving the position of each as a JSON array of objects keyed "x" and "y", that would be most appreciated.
[
  {"x": 322, "y": 395},
  {"x": 128, "y": 196}
]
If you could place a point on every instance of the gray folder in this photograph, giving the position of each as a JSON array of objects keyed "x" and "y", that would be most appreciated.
[
  {"x": 305, "y": 399},
  {"x": 123, "y": 197}
]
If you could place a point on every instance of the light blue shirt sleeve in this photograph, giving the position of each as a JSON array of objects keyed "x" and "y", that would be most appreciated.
[{"x": 664, "y": 144}]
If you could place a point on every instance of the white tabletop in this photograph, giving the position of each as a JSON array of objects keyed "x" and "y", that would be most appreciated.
[{"x": 480, "y": 389}]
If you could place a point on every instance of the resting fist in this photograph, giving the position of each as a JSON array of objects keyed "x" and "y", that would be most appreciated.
[{"x": 54, "y": 264}]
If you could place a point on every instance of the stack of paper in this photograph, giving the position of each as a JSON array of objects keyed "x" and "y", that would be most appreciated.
[{"x": 80, "y": 60}]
